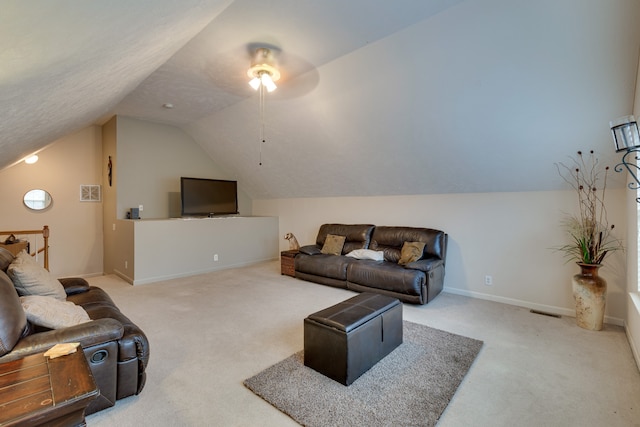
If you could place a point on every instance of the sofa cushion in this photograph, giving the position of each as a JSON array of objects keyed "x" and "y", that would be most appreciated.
[
  {"x": 411, "y": 252},
  {"x": 357, "y": 236},
  {"x": 13, "y": 320},
  {"x": 331, "y": 266},
  {"x": 333, "y": 245},
  {"x": 390, "y": 241},
  {"x": 386, "y": 276},
  {"x": 52, "y": 313},
  {"x": 30, "y": 278}
]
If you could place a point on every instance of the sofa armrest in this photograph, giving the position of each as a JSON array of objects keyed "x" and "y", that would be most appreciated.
[
  {"x": 74, "y": 285},
  {"x": 425, "y": 265},
  {"x": 87, "y": 334},
  {"x": 310, "y": 250}
]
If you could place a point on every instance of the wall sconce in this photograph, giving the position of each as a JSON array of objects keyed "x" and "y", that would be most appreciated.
[{"x": 626, "y": 138}]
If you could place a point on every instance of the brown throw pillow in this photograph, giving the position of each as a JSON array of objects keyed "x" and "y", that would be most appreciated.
[
  {"x": 333, "y": 244},
  {"x": 411, "y": 251}
]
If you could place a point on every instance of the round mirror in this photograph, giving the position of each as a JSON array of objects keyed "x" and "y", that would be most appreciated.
[{"x": 37, "y": 199}]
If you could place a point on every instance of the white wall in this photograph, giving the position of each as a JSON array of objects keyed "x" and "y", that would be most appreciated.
[
  {"x": 76, "y": 227},
  {"x": 509, "y": 236},
  {"x": 154, "y": 159},
  {"x": 632, "y": 319},
  {"x": 148, "y": 161},
  {"x": 482, "y": 97},
  {"x": 166, "y": 249},
  {"x": 151, "y": 159}
]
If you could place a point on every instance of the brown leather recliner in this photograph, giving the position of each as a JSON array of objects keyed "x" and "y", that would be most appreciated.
[
  {"x": 417, "y": 282},
  {"x": 116, "y": 349}
]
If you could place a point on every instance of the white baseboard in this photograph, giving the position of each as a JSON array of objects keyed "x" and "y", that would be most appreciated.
[
  {"x": 526, "y": 304},
  {"x": 635, "y": 299},
  {"x": 123, "y": 276},
  {"x": 85, "y": 275},
  {"x": 193, "y": 273},
  {"x": 634, "y": 349}
]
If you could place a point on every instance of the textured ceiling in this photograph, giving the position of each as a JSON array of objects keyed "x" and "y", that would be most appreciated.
[
  {"x": 377, "y": 97},
  {"x": 66, "y": 64}
]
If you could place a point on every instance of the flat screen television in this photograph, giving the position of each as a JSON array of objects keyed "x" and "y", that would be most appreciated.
[{"x": 208, "y": 197}]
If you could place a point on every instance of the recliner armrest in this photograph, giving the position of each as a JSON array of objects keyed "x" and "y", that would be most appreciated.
[
  {"x": 310, "y": 250},
  {"x": 425, "y": 265},
  {"x": 87, "y": 334},
  {"x": 74, "y": 285}
]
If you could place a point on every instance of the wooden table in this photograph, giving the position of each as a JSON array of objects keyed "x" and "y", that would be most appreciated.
[{"x": 37, "y": 390}]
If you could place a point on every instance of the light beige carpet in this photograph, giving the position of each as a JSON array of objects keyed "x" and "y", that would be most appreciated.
[{"x": 210, "y": 332}]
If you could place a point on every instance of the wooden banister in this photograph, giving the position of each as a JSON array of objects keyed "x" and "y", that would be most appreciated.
[{"x": 45, "y": 236}]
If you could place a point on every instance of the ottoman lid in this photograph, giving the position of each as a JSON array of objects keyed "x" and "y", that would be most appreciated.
[{"x": 350, "y": 314}]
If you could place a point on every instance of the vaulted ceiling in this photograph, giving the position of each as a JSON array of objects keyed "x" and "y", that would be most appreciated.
[{"x": 377, "y": 97}]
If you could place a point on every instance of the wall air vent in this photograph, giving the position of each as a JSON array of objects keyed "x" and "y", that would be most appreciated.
[{"x": 90, "y": 193}]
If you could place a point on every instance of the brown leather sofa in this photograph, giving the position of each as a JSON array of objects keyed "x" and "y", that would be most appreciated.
[
  {"x": 116, "y": 349},
  {"x": 417, "y": 282}
]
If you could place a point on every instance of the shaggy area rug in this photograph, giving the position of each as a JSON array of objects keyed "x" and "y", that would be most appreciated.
[{"x": 410, "y": 387}]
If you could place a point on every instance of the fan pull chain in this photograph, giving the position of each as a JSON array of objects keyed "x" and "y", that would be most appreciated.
[{"x": 262, "y": 140}]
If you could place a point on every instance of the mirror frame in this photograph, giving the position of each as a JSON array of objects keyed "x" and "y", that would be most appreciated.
[{"x": 37, "y": 204}]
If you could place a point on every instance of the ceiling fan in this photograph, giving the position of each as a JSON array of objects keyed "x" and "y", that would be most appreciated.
[{"x": 263, "y": 70}]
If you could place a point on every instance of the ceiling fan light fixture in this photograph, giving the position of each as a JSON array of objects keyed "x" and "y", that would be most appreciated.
[
  {"x": 255, "y": 83},
  {"x": 263, "y": 74},
  {"x": 263, "y": 70},
  {"x": 267, "y": 81}
]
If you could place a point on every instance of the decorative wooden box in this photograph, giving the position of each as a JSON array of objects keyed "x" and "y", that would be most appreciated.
[
  {"x": 16, "y": 247},
  {"x": 287, "y": 263}
]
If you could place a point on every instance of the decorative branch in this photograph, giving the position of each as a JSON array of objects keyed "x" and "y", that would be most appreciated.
[{"x": 589, "y": 231}]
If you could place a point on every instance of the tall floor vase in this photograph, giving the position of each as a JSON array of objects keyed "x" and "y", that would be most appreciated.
[{"x": 590, "y": 295}]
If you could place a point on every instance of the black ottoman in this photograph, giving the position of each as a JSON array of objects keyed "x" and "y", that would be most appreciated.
[{"x": 347, "y": 339}]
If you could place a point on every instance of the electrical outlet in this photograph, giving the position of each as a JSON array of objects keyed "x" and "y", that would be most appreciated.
[
  {"x": 140, "y": 208},
  {"x": 488, "y": 280},
  {"x": 215, "y": 257}
]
